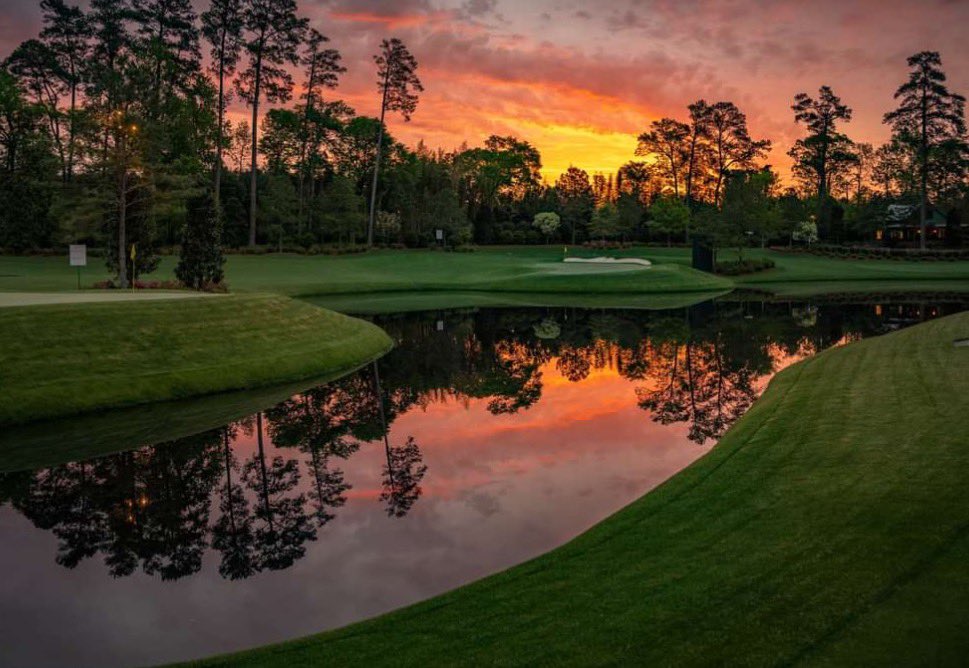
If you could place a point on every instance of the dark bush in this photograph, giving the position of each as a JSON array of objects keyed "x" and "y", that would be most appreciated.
[{"x": 740, "y": 267}]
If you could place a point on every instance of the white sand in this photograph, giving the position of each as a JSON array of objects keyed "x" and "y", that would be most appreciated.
[{"x": 611, "y": 260}]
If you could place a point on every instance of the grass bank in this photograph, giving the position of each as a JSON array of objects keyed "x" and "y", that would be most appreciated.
[
  {"x": 401, "y": 302},
  {"x": 66, "y": 359},
  {"x": 829, "y": 526},
  {"x": 524, "y": 269},
  {"x": 48, "y": 443}
]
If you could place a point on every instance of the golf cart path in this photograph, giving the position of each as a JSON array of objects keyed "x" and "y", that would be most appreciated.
[{"x": 89, "y": 296}]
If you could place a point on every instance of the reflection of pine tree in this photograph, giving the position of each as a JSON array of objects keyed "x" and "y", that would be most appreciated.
[
  {"x": 283, "y": 527},
  {"x": 667, "y": 402},
  {"x": 59, "y": 500},
  {"x": 146, "y": 507},
  {"x": 329, "y": 488},
  {"x": 719, "y": 395},
  {"x": 402, "y": 477},
  {"x": 174, "y": 503},
  {"x": 317, "y": 422},
  {"x": 117, "y": 494},
  {"x": 516, "y": 378},
  {"x": 693, "y": 383},
  {"x": 574, "y": 363},
  {"x": 232, "y": 534},
  {"x": 405, "y": 468}
]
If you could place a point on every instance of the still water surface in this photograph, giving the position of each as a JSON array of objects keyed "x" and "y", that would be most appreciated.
[{"x": 487, "y": 437}]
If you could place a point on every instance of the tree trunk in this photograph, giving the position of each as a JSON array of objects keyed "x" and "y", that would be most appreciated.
[
  {"x": 304, "y": 145},
  {"x": 255, "y": 149},
  {"x": 71, "y": 132},
  {"x": 218, "y": 147},
  {"x": 689, "y": 173},
  {"x": 122, "y": 222},
  {"x": 924, "y": 150},
  {"x": 231, "y": 507},
  {"x": 267, "y": 506},
  {"x": 383, "y": 423},
  {"x": 376, "y": 166}
]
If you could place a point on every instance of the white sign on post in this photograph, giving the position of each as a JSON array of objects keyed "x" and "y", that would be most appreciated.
[
  {"x": 440, "y": 235},
  {"x": 78, "y": 255}
]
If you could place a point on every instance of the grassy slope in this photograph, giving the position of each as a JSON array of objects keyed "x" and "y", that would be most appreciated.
[
  {"x": 828, "y": 526},
  {"x": 521, "y": 269},
  {"x": 69, "y": 358},
  {"x": 46, "y": 443},
  {"x": 529, "y": 269}
]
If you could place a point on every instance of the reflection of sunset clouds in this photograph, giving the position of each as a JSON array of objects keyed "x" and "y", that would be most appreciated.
[{"x": 500, "y": 487}]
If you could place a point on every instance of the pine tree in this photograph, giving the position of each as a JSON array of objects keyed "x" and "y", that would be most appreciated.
[
  {"x": 200, "y": 261},
  {"x": 222, "y": 27},
  {"x": 274, "y": 33},
  {"x": 928, "y": 116},
  {"x": 398, "y": 84}
]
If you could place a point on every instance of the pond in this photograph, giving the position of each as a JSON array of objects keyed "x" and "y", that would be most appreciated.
[{"x": 487, "y": 437}]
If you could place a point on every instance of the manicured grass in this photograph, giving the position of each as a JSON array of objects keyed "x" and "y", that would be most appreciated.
[
  {"x": 69, "y": 358},
  {"x": 829, "y": 526},
  {"x": 526, "y": 269},
  {"x": 402, "y": 302},
  {"x": 804, "y": 268}
]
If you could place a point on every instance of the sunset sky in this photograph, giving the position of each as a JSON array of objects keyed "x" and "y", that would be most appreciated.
[{"x": 581, "y": 79}]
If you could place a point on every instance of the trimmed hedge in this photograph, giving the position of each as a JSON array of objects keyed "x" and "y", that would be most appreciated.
[
  {"x": 740, "y": 267},
  {"x": 879, "y": 253}
]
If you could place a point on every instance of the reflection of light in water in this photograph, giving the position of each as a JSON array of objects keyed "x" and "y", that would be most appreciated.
[{"x": 527, "y": 441}]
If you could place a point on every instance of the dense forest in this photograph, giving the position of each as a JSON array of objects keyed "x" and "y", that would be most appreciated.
[{"x": 113, "y": 133}]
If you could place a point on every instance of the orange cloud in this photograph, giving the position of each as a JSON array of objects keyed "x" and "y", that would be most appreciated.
[{"x": 392, "y": 21}]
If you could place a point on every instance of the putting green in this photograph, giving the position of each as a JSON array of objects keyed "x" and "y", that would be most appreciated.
[{"x": 584, "y": 268}]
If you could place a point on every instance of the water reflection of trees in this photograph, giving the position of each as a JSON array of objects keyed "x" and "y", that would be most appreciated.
[
  {"x": 161, "y": 508},
  {"x": 699, "y": 366},
  {"x": 147, "y": 508}
]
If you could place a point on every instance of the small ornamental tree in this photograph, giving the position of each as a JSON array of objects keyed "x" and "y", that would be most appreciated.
[
  {"x": 548, "y": 223},
  {"x": 806, "y": 232},
  {"x": 200, "y": 262}
]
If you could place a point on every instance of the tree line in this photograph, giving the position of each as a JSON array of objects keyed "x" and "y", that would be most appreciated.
[{"x": 113, "y": 132}]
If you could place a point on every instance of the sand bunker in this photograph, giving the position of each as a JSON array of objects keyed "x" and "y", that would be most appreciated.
[{"x": 611, "y": 260}]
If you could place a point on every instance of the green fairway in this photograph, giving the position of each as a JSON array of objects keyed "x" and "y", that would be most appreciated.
[
  {"x": 829, "y": 526},
  {"x": 805, "y": 268},
  {"x": 68, "y": 358},
  {"x": 529, "y": 269}
]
